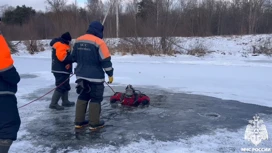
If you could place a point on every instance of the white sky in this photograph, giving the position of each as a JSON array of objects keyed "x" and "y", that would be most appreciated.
[{"x": 38, "y": 4}]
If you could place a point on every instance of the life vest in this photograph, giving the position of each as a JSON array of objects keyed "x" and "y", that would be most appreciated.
[{"x": 130, "y": 97}]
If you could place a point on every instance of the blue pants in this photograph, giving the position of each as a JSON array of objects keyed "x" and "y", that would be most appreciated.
[
  {"x": 59, "y": 79},
  {"x": 93, "y": 92},
  {"x": 9, "y": 117}
]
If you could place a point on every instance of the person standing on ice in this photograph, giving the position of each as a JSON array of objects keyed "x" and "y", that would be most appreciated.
[
  {"x": 92, "y": 56},
  {"x": 9, "y": 116},
  {"x": 61, "y": 68}
]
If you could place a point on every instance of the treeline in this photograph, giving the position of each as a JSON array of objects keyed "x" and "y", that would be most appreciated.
[{"x": 148, "y": 18}]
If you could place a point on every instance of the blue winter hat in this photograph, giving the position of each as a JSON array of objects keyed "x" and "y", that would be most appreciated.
[
  {"x": 66, "y": 36},
  {"x": 96, "y": 28}
]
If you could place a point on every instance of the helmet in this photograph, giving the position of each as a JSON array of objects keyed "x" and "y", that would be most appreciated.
[{"x": 129, "y": 91}]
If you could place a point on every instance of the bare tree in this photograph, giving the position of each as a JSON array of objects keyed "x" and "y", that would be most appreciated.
[
  {"x": 154, "y": 18},
  {"x": 95, "y": 8},
  {"x": 56, "y": 5},
  {"x": 255, "y": 8}
]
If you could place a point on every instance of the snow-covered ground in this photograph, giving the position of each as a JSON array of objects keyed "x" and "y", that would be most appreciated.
[
  {"x": 230, "y": 76},
  {"x": 233, "y": 46}
]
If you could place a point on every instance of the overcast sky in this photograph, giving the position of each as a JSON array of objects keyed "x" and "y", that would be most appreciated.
[
  {"x": 40, "y": 4},
  {"x": 36, "y": 4}
]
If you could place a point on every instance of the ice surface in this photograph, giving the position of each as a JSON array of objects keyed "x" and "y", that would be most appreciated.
[{"x": 244, "y": 84}]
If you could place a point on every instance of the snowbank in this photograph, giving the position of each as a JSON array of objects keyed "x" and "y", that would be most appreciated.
[{"x": 220, "y": 46}]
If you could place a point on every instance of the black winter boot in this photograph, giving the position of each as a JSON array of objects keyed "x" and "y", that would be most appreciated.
[
  {"x": 65, "y": 101},
  {"x": 81, "y": 107},
  {"x": 94, "y": 116},
  {"x": 54, "y": 102},
  {"x": 5, "y": 145}
]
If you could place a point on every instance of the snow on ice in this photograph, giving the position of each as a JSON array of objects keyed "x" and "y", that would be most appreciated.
[{"x": 236, "y": 84}]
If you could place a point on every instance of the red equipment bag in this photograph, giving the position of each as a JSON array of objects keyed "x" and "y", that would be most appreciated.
[{"x": 130, "y": 97}]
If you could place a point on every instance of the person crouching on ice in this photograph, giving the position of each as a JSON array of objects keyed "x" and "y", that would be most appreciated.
[
  {"x": 91, "y": 54},
  {"x": 62, "y": 69},
  {"x": 9, "y": 116}
]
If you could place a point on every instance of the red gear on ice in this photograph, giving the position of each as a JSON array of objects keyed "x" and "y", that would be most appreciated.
[{"x": 130, "y": 97}]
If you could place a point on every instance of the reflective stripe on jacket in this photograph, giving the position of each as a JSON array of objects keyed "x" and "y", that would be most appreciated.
[{"x": 92, "y": 57}]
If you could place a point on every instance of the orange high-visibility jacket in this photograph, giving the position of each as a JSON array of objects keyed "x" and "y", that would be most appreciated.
[{"x": 6, "y": 61}]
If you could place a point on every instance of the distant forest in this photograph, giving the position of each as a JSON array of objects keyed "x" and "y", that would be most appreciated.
[{"x": 148, "y": 18}]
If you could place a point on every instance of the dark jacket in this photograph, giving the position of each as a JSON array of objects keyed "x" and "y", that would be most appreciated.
[
  {"x": 9, "y": 116},
  {"x": 92, "y": 55},
  {"x": 8, "y": 81},
  {"x": 61, "y": 58},
  {"x": 9, "y": 77}
]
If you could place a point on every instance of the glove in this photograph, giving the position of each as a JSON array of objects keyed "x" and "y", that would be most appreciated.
[
  {"x": 110, "y": 79},
  {"x": 68, "y": 66}
]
